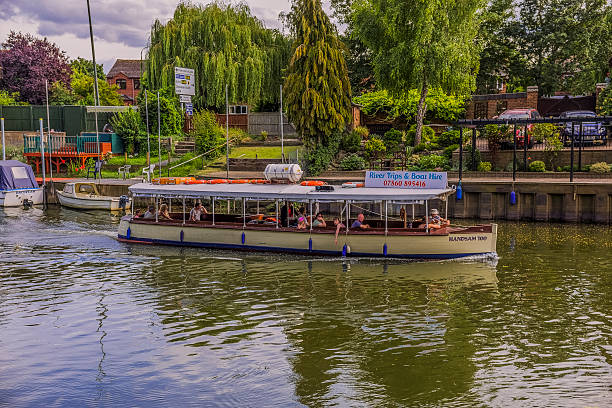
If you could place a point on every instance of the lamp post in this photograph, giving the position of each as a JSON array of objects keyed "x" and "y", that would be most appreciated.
[{"x": 95, "y": 67}]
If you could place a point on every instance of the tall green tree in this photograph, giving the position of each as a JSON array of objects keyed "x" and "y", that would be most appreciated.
[
  {"x": 224, "y": 44},
  {"x": 317, "y": 88},
  {"x": 425, "y": 45}
]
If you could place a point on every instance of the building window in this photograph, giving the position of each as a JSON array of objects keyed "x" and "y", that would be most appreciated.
[
  {"x": 137, "y": 84},
  {"x": 238, "y": 109},
  {"x": 500, "y": 107},
  {"x": 480, "y": 110},
  {"x": 121, "y": 83}
]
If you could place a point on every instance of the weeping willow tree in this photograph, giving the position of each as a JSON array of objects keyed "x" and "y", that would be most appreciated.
[
  {"x": 317, "y": 87},
  {"x": 224, "y": 44}
]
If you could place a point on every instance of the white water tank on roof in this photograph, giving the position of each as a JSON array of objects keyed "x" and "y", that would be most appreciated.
[{"x": 289, "y": 172}]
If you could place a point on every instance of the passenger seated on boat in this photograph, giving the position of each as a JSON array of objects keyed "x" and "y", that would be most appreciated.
[
  {"x": 301, "y": 213},
  {"x": 197, "y": 211},
  {"x": 137, "y": 214},
  {"x": 338, "y": 226},
  {"x": 150, "y": 214},
  {"x": 285, "y": 214},
  {"x": 163, "y": 212},
  {"x": 435, "y": 221},
  {"x": 301, "y": 223},
  {"x": 319, "y": 222},
  {"x": 359, "y": 222}
]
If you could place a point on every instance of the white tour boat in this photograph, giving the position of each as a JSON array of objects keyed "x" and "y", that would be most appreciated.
[
  {"x": 85, "y": 196},
  {"x": 386, "y": 237},
  {"x": 18, "y": 184}
]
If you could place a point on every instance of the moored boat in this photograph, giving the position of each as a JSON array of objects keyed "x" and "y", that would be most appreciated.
[
  {"x": 85, "y": 196},
  {"x": 18, "y": 185},
  {"x": 386, "y": 237}
]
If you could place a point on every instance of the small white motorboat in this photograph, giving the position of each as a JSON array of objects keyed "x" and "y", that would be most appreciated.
[
  {"x": 85, "y": 196},
  {"x": 18, "y": 185}
]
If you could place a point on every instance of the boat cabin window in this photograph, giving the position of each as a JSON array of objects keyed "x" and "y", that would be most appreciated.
[
  {"x": 19, "y": 173},
  {"x": 86, "y": 188},
  {"x": 68, "y": 189}
]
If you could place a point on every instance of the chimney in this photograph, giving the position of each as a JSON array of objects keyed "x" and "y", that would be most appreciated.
[{"x": 532, "y": 97}]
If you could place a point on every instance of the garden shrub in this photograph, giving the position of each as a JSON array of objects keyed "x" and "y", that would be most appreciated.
[
  {"x": 127, "y": 125},
  {"x": 170, "y": 112},
  {"x": 604, "y": 101},
  {"x": 467, "y": 158},
  {"x": 351, "y": 141},
  {"x": 427, "y": 136},
  {"x": 318, "y": 160},
  {"x": 601, "y": 167},
  {"x": 209, "y": 136},
  {"x": 375, "y": 148},
  {"x": 448, "y": 151},
  {"x": 484, "y": 166},
  {"x": 237, "y": 135},
  {"x": 392, "y": 139},
  {"x": 543, "y": 131},
  {"x": 433, "y": 162},
  {"x": 353, "y": 162},
  {"x": 363, "y": 132},
  {"x": 449, "y": 138},
  {"x": 537, "y": 166}
]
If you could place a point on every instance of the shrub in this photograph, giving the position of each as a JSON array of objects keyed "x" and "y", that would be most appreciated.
[
  {"x": 448, "y": 151},
  {"x": 449, "y": 138},
  {"x": 318, "y": 160},
  {"x": 542, "y": 131},
  {"x": 427, "y": 136},
  {"x": 170, "y": 113},
  {"x": 537, "y": 166},
  {"x": 351, "y": 141},
  {"x": 375, "y": 148},
  {"x": 484, "y": 166},
  {"x": 467, "y": 158},
  {"x": 237, "y": 135},
  {"x": 353, "y": 162},
  {"x": 601, "y": 167},
  {"x": 363, "y": 132},
  {"x": 392, "y": 139},
  {"x": 209, "y": 136},
  {"x": 432, "y": 162},
  {"x": 127, "y": 125},
  {"x": 604, "y": 101},
  {"x": 264, "y": 135}
]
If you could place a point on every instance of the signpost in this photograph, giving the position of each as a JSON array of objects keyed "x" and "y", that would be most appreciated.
[
  {"x": 406, "y": 179},
  {"x": 185, "y": 98},
  {"x": 189, "y": 109},
  {"x": 184, "y": 81}
]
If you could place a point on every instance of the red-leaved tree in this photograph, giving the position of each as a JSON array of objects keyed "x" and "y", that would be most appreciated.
[{"x": 27, "y": 61}]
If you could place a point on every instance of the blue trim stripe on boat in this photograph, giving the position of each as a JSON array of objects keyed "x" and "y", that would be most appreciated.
[{"x": 294, "y": 250}]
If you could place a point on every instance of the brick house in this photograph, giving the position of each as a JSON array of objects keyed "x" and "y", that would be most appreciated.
[
  {"x": 490, "y": 105},
  {"x": 126, "y": 75}
]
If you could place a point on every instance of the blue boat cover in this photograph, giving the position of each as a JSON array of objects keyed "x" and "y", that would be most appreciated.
[{"x": 15, "y": 174}]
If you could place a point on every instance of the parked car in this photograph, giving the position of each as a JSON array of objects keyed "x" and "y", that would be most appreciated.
[
  {"x": 593, "y": 133},
  {"x": 522, "y": 113}
]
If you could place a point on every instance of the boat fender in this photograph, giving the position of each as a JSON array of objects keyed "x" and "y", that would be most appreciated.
[
  {"x": 129, "y": 233},
  {"x": 312, "y": 183},
  {"x": 459, "y": 192},
  {"x": 385, "y": 249},
  {"x": 512, "y": 197},
  {"x": 310, "y": 244},
  {"x": 182, "y": 235},
  {"x": 243, "y": 238},
  {"x": 344, "y": 251}
]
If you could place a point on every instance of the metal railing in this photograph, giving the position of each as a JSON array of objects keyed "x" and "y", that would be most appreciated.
[{"x": 63, "y": 145}]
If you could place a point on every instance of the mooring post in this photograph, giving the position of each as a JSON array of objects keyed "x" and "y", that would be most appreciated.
[{"x": 514, "y": 153}]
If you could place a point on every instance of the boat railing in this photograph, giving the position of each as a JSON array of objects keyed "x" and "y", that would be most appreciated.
[{"x": 64, "y": 145}]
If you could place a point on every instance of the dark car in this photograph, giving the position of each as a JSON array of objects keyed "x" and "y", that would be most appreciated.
[
  {"x": 522, "y": 113},
  {"x": 593, "y": 133}
]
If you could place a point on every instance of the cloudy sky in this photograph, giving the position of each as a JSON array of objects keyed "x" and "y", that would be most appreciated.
[{"x": 121, "y": 27}]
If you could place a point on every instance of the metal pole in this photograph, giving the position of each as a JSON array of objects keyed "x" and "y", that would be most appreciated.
[
  {"x": 460, "y": 153},
  {"x": 386, "y": 216},
  {"x": 474, "y": 149},
  {"x": 213, "y": 211},
  {"x": 514, "y": 153},
  {"x": 281, "y": 126},
  {"x": 277, "y": 214},
  {"x": 42, "y": 150},
  {"x": 3, "y": 142},
  {"x": 227, "y": 130},
  {"x": 525, "y": 151},
  {"x": 310, "y": 211},
  {"x": 348, "y": 214},
  {"x": 572, "y": 155},
  {"x": 156, "y": 208},
  {"x": 184, "y": 210},
  {"x": 580, "y": 149},
  {"x": 426, "y": 216},
  {"x": 243, "y": 212},
  {"x": 95, "y": 79},
  {"x": 49, "y": 131},
  {"x": 148, "y": 138},
  {"x": 159, "y": 137}
]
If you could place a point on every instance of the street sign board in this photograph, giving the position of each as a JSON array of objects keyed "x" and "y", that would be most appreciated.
[
  {"x": 189, "y": 109},
  {"x": 185, "y": 98},
  {"x": 184, "y": 81}
]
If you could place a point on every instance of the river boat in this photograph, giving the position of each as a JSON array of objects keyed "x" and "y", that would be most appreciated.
[
  {"x": 386, "y": 237},
  {"x": 86, "y": 196},
  {"x": 18, "y": 185}
]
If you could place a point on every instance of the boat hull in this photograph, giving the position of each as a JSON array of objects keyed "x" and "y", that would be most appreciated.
[
  {"x": 15, "y": 198},
  {"x": 434, "y": 246},
  {"x": 91, "y": 203}
]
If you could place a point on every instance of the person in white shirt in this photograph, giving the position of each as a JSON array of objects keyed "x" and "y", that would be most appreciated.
[{"x": 196, "y": 212}]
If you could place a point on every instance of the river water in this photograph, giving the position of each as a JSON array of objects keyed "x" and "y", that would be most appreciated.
[{"x": 88, "y": 321}]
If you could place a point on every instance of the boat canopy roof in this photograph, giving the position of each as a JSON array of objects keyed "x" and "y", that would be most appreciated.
[
  {"x": 16, "y": 175},
  {"x": 293, "y": 192}
]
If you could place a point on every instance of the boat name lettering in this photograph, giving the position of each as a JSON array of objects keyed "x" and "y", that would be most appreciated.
[
  {"x": 406, "y": 179},
  {"x": 472, "y": 238}
]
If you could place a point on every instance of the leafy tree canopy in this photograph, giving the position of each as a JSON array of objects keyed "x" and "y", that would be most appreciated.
[
  {"x": 27, "y": 62},
  {"x": 85, "y": 66},
  {"x": 224, "y": 44},
  {"x": 7, "y": 98},
  {"x": 317, "y": 85},
  {"x": 439, "y": 105},
  {"x": 171, "y": 116}
]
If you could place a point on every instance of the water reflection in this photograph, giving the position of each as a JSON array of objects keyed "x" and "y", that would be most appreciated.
[{"x": 86, "y": 320}]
